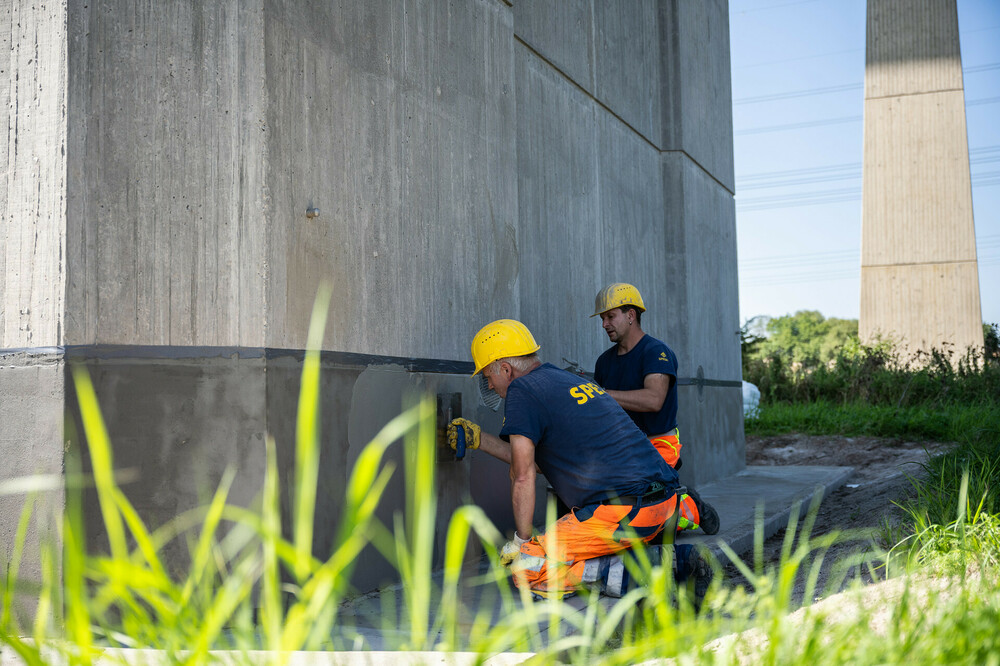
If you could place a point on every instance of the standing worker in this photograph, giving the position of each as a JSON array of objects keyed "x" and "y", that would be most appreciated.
[
  {"x": 640, "y": 373},
  {"x": 620, "y": 490}
]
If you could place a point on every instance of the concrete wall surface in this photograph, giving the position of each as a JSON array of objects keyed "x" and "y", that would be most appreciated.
[
  {"x": 31, "y": 448},
  {"x": 397, "y": 122},
  {"x": 167, "y": 211},
  {"x": 468, "y": 160},
  {"x": 32, "y": 173}
]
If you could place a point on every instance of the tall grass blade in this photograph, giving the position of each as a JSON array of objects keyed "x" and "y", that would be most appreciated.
[
  {"x": 75, "y": 593},
  {"x": 101, "y": 458},
  {"x": 204, "y": 551},
  {"x": 307, "y": 435},
  {"x": 271, "y": 612},
  {"x": 415, "y": 542}
]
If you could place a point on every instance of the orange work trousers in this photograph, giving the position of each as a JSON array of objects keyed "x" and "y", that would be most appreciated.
[
  {"x": 551, "y": 564},
  {"x": 669, "y": 446}
]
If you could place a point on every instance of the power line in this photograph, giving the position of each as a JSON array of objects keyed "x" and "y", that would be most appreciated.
[
  {"x": 778, "y": 257},
  {"x": 985, "y": 100},
  {"x": 789, "y": 182},
  {"x": 765, "y": 175},
  {"x": 835, "y": 121},
  {"x": 802, "y": 125},
  {"x": 974, "y": 153},
  {"x": 846, "y": 87},
  {"x": 965, "y": 32},
  {"x": 981, "y": 68},
  {"x": 843, "y": 195},
  {"x": 789, "y": 264},
  {"x": 810, "y": 276},
  {"x": 808, "y": 57},
  {"x": 854, "y": 272},
  {"x": 774, "y": 269},
  {"x": 793, "y": 261},
  {"x": 798, "y": 93},
  {"x": 783, "y": 4},
  {"x": 760, "y": 183}
]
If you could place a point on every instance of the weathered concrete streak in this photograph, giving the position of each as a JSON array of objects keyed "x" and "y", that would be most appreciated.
[
  {"x": 32, "y": 172},
  {"x": 699, "y": 254},
  {"x": 632, "y": 230},
  {"x": 627, "y": 49},
  {"x": 562, "y": 33},
  {"x": 559, "y": 209},
  {"x": 169, "y": 231},
  {"x": 711, "y": 430},
  {"x": 696, "y": 85},
  {"x": 919, "y": 282},
  {"x": 918, "y": 180},
  {"x": 399, "y": 126},
  {"x": 918, "y": 303}
]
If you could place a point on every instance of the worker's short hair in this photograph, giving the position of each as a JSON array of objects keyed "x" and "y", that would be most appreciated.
[
  {"x": 519, "y": 363},
  {"x": 637, "y": 311}
]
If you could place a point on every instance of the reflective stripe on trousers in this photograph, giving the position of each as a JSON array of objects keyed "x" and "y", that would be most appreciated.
[
  {"x": 553, "y": 562},
  {"x": 669, "y": 446}
]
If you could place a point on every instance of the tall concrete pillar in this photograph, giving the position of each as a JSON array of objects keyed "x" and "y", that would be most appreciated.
[
  {"x": 919, "y": 278},
  {"x": 468, "y": 160}
]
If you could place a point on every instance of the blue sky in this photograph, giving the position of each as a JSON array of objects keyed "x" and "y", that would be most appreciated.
[{"x": 798, "y": 97}]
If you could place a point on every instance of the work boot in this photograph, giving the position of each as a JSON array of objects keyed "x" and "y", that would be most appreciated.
[
  {"x": 708, "y": 518},
  {"x": 697, "y": 574}
]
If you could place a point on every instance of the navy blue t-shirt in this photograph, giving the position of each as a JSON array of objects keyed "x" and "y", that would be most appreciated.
[
  {"x": 628, "y": 372},
  {"x": 585, "y": 444}
]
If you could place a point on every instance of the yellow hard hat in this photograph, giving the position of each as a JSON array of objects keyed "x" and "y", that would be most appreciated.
[
  {"x": 615, "y": 296},
  {"x": 501, "y": 339}
]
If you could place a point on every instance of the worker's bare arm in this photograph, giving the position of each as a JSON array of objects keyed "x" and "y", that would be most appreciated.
[
  {"x": 647, "y": 399},
  {"x": 522, "y": 485},
  {"x": 494, "y": 446}
]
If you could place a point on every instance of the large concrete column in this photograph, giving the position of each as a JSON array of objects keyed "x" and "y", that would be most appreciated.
[
  {"x": 470, "y": 160},
  {"x": 919, "y": 278}
]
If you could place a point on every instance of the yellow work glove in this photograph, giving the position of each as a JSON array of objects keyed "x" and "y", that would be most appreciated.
[
  {"x": 471, "y": 433},
  {"x": 511, "y": 550}
]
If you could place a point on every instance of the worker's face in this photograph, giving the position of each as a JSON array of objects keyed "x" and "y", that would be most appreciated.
[
  {"x": 499, "y": 378},
  {"x": 616, "y": 323}
]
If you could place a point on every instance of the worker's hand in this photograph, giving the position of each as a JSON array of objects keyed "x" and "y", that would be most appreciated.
[
  {"x": 511, "y": 550},
  {"x": 471, "y": 433}
]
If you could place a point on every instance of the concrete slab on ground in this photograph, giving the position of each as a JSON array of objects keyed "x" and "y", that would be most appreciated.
[{"x": 775, "y": 489}]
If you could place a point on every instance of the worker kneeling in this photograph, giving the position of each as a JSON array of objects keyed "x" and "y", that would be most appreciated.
[{"x": 598, "y": 462}]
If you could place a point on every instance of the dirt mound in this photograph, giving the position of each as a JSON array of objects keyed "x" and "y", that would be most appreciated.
[
  {"x": 873, "y": 458},
  {"x": 864, "y": 505}
]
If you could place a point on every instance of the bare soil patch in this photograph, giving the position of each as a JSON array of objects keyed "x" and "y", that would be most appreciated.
[{"x": 863, "y": 506}]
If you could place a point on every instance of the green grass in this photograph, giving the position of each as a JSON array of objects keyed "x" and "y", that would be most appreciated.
[
  {"x": 949, "y": 423},
  {"x": 879, "y": 375},
  {"x": 249, "y": 587}
]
